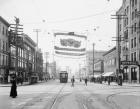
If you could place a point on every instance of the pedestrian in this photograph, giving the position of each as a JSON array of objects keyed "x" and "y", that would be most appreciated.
[
  {"x": 86, "y": 81},
  {"x": 72, "y": 81},
  {"x": 13, "y": 92},
  {"x": 108, "y": 80},
  {"x": 80, "y": 79},
  {"x": 21, "y": 80}
]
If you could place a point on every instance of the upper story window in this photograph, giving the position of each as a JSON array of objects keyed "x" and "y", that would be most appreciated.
[
  {"x": 0, "y": 44},
  {"x": 0, "y": 27},
  {"x": 127, "y": 9},
  {"x": 135, "y": 42},
  {"x": 135, "y": 56},
  {"x": 135, "y": 27},
  {"x": 133, "y": 15},
  {"x": 131, "y": 43},
  {"x": 120, "y": 27},
  {"x": 132, "y": 3},
  {"x": 139, "y": 54},
  {"x": 3, "y": 31},
  {"x": 132, "y": 29},
  {"x": 126, "y": 34},
  {"x": 139, "y": 39},
  {"x": 135, "y": 2}
]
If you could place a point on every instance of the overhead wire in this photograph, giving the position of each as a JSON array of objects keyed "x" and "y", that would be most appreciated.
[{"x": 71, "y": 19}]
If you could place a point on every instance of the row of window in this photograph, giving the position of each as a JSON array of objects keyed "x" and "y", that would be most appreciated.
[
  {"x": 3, "y": 30},
  {"x": 23, "y": 54},
  {"x": 134, "y": 3},
  {"x": 3, "y": 60},
  {"x": 3, "y": 45},
  {"x": 133, "y": 56},
  {"x": 133, "y": 42},
  {"x": 21, "y": 64}
]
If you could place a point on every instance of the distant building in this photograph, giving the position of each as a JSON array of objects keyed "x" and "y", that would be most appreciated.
[
  {"x": 4, "y": 50},
  {"x": 110, "y": 60},
  {"x": 98, "y": 55},
  {"x": 52, "y": 69},
  {"x": 99, "y": 67}
]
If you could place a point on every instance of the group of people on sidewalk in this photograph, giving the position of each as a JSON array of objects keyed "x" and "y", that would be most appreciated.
[{"x": 73, "y": 80}]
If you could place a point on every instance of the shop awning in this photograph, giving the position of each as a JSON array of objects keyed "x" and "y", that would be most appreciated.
[
  {"x": 109, "y": 74},
  {"x": 96, "y": 76}
]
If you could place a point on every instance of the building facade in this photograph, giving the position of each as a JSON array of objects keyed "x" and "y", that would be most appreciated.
[
  {"x": 98, "y": 55},
  {"x": 110, "y": 60},
  {"x": 26, "y": 56},
  {"x": 128, "y": 29},
  {"x": 4, "y": 50},
  {"x": 98, "y": 67}
]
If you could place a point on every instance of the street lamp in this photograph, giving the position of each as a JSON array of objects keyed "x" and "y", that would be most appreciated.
[{"x": 93, "y": 60}]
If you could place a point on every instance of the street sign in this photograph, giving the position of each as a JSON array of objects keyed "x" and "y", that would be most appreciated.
[{"x": 129, "y": 63}]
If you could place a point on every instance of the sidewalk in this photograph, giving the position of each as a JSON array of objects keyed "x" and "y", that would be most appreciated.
[
  {"x": 24, "y": 84},
  {"x": 9, "y": 84},
  {"x": 124, "y": 84}
]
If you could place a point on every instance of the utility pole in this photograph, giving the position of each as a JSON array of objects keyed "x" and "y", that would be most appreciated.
[
  {"x": 46, "y": 61},
  {"x": 37, "y": 31},
  {"x": 18, "y": 39},
  {"x": 119, "y": 39},
  {"x": 93, "y": 62}
]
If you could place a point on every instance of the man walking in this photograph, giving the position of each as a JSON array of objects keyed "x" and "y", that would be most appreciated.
[
  {"x": 86, "y": 81},
  {"x": 72, "y": 81}
]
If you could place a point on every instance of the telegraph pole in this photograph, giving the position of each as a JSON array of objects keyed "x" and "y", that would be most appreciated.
[
  {"x": 93, "y": 62},
  {"x": 37, "y": 31},
  {"x": 47, "y": 62},
  {"x": 119, "y": 39},
  {"x": 18, "y": 39},
  {"x": 17, "y": 22}
]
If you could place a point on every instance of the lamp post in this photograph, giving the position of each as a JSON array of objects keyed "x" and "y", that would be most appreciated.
[{"x": 93, "y": 61}]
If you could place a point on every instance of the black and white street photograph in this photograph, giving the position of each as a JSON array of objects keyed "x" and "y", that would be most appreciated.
[{"x": 69, "y": 54}]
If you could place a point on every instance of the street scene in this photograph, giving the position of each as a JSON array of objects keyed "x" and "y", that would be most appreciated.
[
  {"x": 69, "y": 54},
  {"x": 55, "y": 95}
]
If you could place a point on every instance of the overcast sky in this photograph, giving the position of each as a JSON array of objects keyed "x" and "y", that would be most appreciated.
[
  {"x": 91, "y": 17},
  {"x": 65, "y": 15}
]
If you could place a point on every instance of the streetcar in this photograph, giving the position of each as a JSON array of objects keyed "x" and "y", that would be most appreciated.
[{"x": 63, "y": 76}]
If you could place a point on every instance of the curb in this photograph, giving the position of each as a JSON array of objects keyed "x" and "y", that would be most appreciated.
[{"x": 24, "y": 84}]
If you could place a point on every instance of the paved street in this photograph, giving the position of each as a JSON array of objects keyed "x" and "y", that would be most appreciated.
[{"x": 53, "y": 95}]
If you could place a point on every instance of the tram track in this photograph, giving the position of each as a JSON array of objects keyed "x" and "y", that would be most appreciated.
[
  {"x": 43, "y": 97},
  {"x": 108, "y": 100},
  {"x": 58, "y": 96}
]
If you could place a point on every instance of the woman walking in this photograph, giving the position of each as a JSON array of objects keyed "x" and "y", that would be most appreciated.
[{"x": 13, "y": 92}]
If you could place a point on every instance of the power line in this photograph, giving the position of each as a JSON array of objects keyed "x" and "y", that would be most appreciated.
[{"x": 72, "y": 19}]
